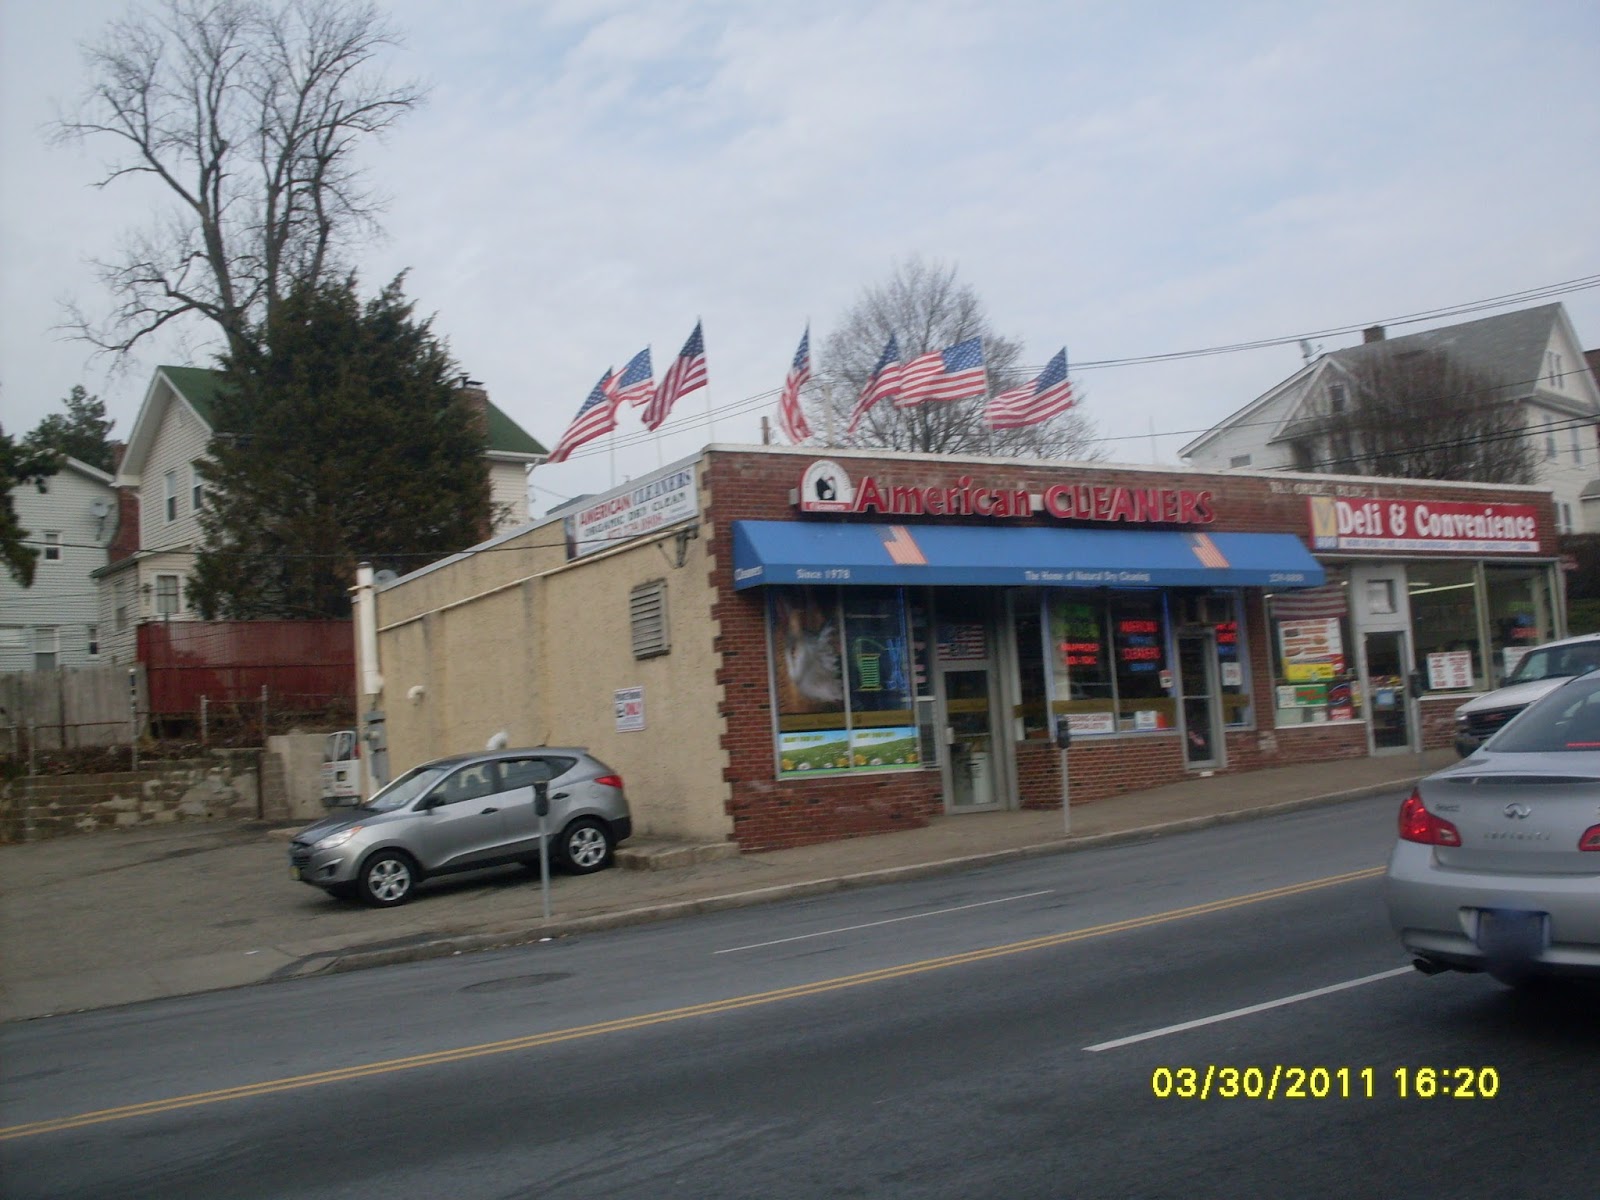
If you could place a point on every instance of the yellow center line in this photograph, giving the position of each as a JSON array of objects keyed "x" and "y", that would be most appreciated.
[{"x": 643, "y": 1020}]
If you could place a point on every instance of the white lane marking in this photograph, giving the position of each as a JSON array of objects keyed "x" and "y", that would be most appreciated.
[
  {"x": 1254, "y": 1008},
  {"x": 938, "y": 912}
]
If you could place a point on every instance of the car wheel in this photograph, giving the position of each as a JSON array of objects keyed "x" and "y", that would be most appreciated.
[
  {"x": 388, "y": 878},
  {"x": 585, "y": 846}
]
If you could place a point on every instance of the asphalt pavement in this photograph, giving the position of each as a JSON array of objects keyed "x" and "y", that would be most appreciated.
[{"x": 123, "y": 916}]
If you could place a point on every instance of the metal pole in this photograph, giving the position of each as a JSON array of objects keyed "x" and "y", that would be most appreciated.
[
  {"x": 203, "y": 715},
  {"x": 1064, "y": 739},
  {"x": 541, "y": 804}
]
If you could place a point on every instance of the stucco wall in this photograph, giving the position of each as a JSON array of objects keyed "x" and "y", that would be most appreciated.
[{"x": 514, "y": 637}]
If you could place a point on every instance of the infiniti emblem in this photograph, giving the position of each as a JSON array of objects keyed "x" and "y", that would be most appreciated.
[{"x": 1517, "y": 812}]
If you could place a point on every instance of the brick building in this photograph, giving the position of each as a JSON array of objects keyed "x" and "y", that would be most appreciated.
[{"x": 778, "y": 647}]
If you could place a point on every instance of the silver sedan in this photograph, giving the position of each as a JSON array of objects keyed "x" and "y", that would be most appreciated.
[{"x": 1497, "y": 867}]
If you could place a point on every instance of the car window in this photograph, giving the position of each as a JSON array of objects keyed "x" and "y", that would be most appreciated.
[
  {"x": 521, "y": 772},
  {"x": 469, "y": 783},
  {"x": 1566, "y": 720},
  {"x": 404, "y": 790}
]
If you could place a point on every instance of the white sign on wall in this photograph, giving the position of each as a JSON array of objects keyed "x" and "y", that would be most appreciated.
[
  {"x": 650, "y": 504},
  {"x": 630, "y": 709}
]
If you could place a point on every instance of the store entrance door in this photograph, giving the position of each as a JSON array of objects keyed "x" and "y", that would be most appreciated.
[
  {"x": 1388, "y": 664},
  {"x": 1197, "y": 679},
  {"x": 972, "y": 770}
]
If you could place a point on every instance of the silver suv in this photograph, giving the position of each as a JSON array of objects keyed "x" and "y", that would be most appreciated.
[{"x": 462, "y": 813}]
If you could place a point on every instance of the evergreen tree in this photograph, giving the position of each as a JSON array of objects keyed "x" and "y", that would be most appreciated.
[
  {"x": 19, "y": 465},
  {"x": 82, "y": 433},
  {"x": 339, "y": 438}
]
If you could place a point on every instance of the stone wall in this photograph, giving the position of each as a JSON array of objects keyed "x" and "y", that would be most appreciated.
[{"x": 224, "y": 785}]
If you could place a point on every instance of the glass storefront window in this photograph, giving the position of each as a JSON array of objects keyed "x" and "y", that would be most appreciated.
[
  {"x": 842, "y": 668},
  {"x": 1027, "y": 631},
  {"x": 1234, "y": 681},
  {"x": 1521, "y": 614},
  {"x": 1108, "y": 656},
  {"x": 1313, "y": 657},
  {"x": 1444, "y": 624}
]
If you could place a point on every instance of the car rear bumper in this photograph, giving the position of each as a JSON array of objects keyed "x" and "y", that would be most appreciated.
[{"x": 1436, "y": 912}]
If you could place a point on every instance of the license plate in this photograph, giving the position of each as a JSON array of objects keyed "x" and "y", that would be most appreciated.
[
  {"x": 1513, "y": 935},
  {"x": 294, "y": 872}
]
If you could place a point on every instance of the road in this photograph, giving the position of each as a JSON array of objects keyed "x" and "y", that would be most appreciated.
[{"x": 1134, "y": 1021}]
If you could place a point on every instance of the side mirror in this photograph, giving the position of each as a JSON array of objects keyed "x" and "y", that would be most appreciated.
[
  {"x": 541, "y": 799},
  {"x": 1063, "y": 733}
]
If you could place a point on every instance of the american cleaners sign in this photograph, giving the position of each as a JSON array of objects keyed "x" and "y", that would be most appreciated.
[
  {"x": 826, "y": 488},
  {"x": 1422, "y": 525},
  {"x": 652, "y": 503}
]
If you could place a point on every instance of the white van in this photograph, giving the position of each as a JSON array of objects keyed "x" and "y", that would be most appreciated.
[
  {"x": 341, "y": 769},
  {"x": 1540, "y": 671}
]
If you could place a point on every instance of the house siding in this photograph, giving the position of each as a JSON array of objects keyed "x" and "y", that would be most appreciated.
[{"x": 63, "y": 596}]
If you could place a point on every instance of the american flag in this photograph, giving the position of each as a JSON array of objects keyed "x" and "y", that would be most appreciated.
[
  {"x": 1047, "y": 396},
  {"x": 597, "y": 415},
  {"x": 884, "y": 381},
  {"x": 636, "y": 384},
  {"x": 790, "y": 415},
  {"x": 954, "y": 373},
  {"x": 687, "y": 372}
]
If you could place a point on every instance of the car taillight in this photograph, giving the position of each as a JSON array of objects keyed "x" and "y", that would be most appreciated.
[
  {"x": 1417, "y": 824},
  {"x": 610, "y": 781},
  {"x": 1590, "y": 839}
]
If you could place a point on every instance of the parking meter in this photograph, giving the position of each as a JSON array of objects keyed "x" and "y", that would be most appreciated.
[
  {"x": 541, "y": 798},
  {"x": 1063, "y": 733}
]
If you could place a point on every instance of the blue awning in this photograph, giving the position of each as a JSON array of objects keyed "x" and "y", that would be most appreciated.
[{"x": 783, "y": 552}]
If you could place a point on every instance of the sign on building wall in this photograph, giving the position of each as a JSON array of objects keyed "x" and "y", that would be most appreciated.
[
  {"x": 1422, "y": 525},
  {"x": 653, "y": 503},
  {"x": 630, "y": 709}
]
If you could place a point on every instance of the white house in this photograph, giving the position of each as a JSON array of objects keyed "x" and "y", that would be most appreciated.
[
  {"x": 70, "y": 518},
  {"x": 1535, "y": 352},
  {"x": 170, "y": 437}
]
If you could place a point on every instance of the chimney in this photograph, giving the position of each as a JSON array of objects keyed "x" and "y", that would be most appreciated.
[
  {"x": 476, "y": 399},
  {"x": 1372, "y": 333}
]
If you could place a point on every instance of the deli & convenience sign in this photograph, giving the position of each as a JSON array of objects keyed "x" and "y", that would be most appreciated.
[{"x": 1422, "y": 525}]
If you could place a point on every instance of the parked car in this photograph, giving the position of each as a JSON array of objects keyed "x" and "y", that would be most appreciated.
[
  {"x": 1539, "y": 671},
  {"x": 1497, "y": 866},
  {"x": 463, "y": 813}
]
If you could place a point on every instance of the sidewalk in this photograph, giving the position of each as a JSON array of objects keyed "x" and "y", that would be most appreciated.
[{"x": 117, "y": 917}]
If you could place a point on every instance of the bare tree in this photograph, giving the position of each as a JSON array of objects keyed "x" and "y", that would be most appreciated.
[
  {"x": 925, "y": 307},
  {"x": 1417, "y": 415},
  {"x": 250, "y": 113}
]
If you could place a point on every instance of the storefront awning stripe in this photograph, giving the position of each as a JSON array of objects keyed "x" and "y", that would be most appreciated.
[{"x": 834, "y": 552}]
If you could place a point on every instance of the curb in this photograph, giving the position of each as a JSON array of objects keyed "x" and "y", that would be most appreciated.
[{"x": 338, "y": 962}]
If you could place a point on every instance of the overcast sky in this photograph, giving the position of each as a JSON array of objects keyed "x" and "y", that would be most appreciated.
[{"x": 1127, "y": 179}]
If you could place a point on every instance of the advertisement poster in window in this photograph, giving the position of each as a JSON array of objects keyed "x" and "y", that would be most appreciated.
[
  {"x": 817, "y": 751},
  {"x": 1312, "y": 649},
  {"x": 1449, "y": 669},
  {"x": 805, "y": 643},
  {"x": 885, "y": 749}
]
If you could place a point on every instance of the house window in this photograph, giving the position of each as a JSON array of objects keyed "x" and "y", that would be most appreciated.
[
  {"x": 166, "y": 595},
  {"x": 171, "y": 483},
  {"x": 92, "y": 642},
  {"x": 1577, "y": 444},
  {"x": 1239, "y": 460},
  {"x": 1550, "y": 450},
  {"x": 1553, "y": 369},
  {"x": 46, "y": 647},
  {"x": 1336, "y": 398},
  {"x": 197, "y": 491},
  {"x": 1564, "y": 521},
  {"x": 647, "y": 617},
  {"x": 122, "y": 617},
  {"x": 52, "y": 546}
]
